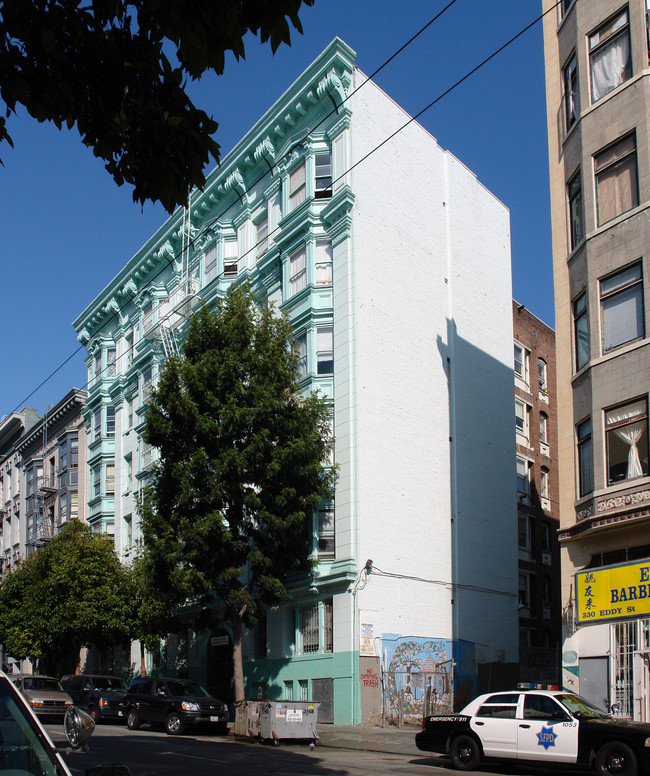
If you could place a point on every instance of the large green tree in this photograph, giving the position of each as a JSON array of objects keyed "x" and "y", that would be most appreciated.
[
  {"x": 117, "y": 69},
  {"x": 230, "y": 511},
  {"x": 71, "y": 593}
]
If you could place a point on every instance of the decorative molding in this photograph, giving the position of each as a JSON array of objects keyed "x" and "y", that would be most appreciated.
[
  {"x": 331, "y": 86},
  {"x": 337, "y": 215}
]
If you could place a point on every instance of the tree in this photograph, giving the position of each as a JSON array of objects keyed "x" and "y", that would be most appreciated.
[
  {"x": 240, "y": 472},
  {"x": 117, "y": 69},
  {"x": 69, "y": 594}
]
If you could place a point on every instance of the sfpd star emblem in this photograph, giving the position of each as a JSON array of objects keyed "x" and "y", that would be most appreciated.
[{"x": 546, "y": 737}]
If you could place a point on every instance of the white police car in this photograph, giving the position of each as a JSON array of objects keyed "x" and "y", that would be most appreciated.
[{"x": 545, "y": 726}]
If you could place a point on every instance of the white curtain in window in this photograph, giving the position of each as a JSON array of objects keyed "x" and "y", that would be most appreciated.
[
  {"x": 610, "y": 67},
  {"x": 630, "y": 435}
]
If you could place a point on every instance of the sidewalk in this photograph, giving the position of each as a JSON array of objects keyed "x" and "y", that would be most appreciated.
[{"x": 370, "y": 738}]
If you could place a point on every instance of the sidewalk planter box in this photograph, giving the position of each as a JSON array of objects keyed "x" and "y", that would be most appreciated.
[
  {"x": 247, "y": 719},
  {"x": 288, "y": 719}
]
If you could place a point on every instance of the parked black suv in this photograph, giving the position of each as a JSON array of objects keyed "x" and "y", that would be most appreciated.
[
  {"x": 100, "y": 696},
  {"x": 176, "y": 703}
]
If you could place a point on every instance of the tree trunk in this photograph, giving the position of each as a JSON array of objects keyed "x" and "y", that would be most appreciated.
[
  {"x": 143, "y": 664},
  {"x": 237, "y": 662}
]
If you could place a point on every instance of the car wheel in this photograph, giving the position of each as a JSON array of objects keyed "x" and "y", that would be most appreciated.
[
  {"x": 465, "y": 753},
  {"x": 132, "y": 719},
  {"x": 173, "y": 724},
  {"x": 615, "y": 759}
]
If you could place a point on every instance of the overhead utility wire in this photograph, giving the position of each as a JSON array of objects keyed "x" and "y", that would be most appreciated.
[
  {"x": 266, "y": 172},
  {"x": 380, "y": 145}
]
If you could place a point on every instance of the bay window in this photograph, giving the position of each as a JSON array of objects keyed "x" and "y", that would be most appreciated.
[
  {"x": 324, "y": 350},
  {"x": 609, "y": 55}
]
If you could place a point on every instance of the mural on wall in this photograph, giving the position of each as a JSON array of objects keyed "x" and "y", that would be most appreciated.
[
  {"x": 412, "y": 665},
  {"x": 415, "y": 665}
]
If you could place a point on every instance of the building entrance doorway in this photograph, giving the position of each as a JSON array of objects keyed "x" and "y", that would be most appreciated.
[{"x": 219, "y": 674}]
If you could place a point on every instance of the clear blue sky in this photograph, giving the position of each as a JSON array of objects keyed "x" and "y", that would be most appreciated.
[{"x": 68, "y": 229}]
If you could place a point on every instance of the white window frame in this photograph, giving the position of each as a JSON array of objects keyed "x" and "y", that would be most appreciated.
[
  {"x": 298, "y": 271},
  {"x": 521, "y": 361},
  {"x": 326, "y": 533},
  {"x": 627, "y": 424},
  {"x": 315, "y": 625},
  {"x": 323, "y": 263},
  {"x": 324, "y": 350},
  {"x": 522, "y": 418},
  {"x": 323, "y": 174}
]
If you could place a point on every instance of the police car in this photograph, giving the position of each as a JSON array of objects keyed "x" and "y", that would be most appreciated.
[{"x": 546, "y": 726}]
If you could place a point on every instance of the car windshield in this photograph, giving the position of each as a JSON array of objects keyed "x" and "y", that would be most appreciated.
[
  {"x": 180, "y": 688},
  {"x": 41, "y": 683},
  {"x": 577, "y": 705},
  {"x": 108, "y": 683},
  {"x": 23, "y": 746}
]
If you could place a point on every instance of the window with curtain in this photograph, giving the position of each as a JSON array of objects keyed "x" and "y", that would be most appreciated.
[
  {"x": 110, "y": 362},
  {"x": 617, "y": 189},
  {"x": 110, "y": 421},
  {"x": 110, "y": 479},
  {"x": 297, "y": 272},
  {"x": 581, "y": 331},
  {"x": 323, "y": 263},
  {"x": 324, "y": 350},
  {"x": 585, "y": 458},
  {"x": 621, "y": 302},
  {"x": 297, "y": 186},
  {"x": 571, "y": 96},
  {"x": 627, "y": 441},
  {"x": 576, "y": 224},
  {"x": 609, "y": 55},
  {"x": 210, "y": 268}
]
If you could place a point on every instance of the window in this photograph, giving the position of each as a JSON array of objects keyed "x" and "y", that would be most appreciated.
[
  {"x": 524, "y": 532},
  {"x": 262, "y": 236},
  {"x": 63, "y": 455},
  {"x": 627, "y": 441},
  {"x": 110, "y": 362},
  {"x": 316, "y": 627},
  {"x": 110, "y": 479},
  {"x": 521, "y": 417},
  {"x": 523, "y": 481},
  {"x": 98, "y": 424},
  {"x": 621, "y": 304},
  {"x": 128, "y": 532},
  {"x": 609, "y": 55},
  {"x": 521, "y": 362},
  {"x": 540, "y": 707},
  {"x": 581, "y": 331},
  {"x": 544, "y": 483},
  {"x": 324, "y": 350},
  {"x": 297, "y": 272},
  {"x": 301, "y": 344},
  {"x": 303, "y": 686},
  {"x": 576, "y": 225},
  {"x": 616, "y": 179},
  {"x": 97, "y": 481},
  {"x": 128, "y": 350},
  {"x": 524, "y": 590},
  {"x": 230, "y": 256},
  {"x": 130, "y": 411},
  {"x": 546, "y": 537},
  {"x": 110, "y": 421},
  {"x": 585, "y": 463},
  {"x": 323, "y": 186},
  {"x": 566, "y": 4},
  {"x": 543, "y": 428},
  {"x": 128, "y": 471},
  {"x": 288, "y": 690},
  {"x": 146, "y": 455},
  {"x": 326, "y": 533},
  {"x": 147, "y": 316},
  {"x": 571, "y": 96},
  {"x": 297, "y": 187},
  {"x": 211, "y": 270},
  {"x": 323, "y": 263},
  {"x": 542, "y": 375},
  {"x": 98, "y": 365},
  {"x": 147, "y": 383}
]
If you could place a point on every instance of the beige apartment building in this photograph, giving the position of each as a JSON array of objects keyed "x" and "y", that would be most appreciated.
[{"x": 598, "y": 107}]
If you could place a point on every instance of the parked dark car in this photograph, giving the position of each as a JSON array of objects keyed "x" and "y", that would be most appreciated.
[
  {"x": 100, "y": 696},
  {"x": 175, "y": 703}
]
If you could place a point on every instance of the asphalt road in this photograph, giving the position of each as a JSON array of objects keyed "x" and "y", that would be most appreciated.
[{"x": 149, "y": 752}]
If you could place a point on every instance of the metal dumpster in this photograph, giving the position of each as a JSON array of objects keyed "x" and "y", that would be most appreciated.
[
  {"x": 288, "y": 719},
  {"x": 247, "y": 719}
]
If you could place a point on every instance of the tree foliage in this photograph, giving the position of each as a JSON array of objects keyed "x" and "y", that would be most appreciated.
[
  {"x": 230, "y": 512},
  {"x": 118, "y": 71},
  {"x": 71, "y": 593}
]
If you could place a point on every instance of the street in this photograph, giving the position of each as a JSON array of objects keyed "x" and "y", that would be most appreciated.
[{"x": 151, "y": 752}]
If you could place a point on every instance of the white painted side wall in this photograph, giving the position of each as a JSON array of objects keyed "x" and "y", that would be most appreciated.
[{"x": 425, "y": 233}]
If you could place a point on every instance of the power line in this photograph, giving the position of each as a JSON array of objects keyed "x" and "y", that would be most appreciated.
[{"x": 209, "y": 224}]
